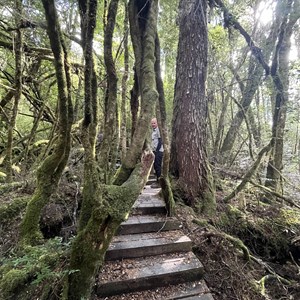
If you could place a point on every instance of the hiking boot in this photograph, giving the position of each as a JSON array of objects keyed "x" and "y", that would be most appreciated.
[{"x": 155, "y": 185}]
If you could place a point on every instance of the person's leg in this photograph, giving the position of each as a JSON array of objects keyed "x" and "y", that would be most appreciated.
[
  {"x": 158, "y": 159},
  {"x": 157, "y": 168}
]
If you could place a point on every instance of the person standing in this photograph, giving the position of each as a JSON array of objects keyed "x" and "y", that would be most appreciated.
[{"x": 158, "y": 149}]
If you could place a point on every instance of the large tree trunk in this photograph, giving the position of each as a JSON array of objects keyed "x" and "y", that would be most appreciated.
[
  {"x": 189, "y": 161},
  {"x": 48, "y": 175},
  {"x": 281, "y": 57}
]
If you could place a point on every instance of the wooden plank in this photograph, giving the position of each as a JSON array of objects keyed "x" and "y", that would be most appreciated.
[
  {"x": 131, "y": 246},
  {"x": 162, "y": 273},
  {"x": 196, "y": 289},
  {"x": 138, "y": 224}
]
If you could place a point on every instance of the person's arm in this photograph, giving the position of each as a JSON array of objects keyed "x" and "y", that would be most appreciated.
[{"x": 158, "y": 144}]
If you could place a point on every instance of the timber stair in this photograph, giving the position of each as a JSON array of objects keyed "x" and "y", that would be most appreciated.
[{"x": 151, "y": 253}]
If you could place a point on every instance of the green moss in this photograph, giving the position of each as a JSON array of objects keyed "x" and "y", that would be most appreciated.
[
  {"x": 11, "y": 281},
  {"x": 11, "y": 210},
  {"x": 121, "y": 175}
]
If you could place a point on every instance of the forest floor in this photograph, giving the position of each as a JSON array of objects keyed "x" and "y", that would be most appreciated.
[{"x": 229, "y": 276}]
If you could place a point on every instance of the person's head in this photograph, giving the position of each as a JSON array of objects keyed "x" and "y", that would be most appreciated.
[{"x": 154, "y": 123}]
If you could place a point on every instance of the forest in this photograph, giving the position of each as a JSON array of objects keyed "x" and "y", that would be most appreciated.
[{"x": 81, "y": 80}]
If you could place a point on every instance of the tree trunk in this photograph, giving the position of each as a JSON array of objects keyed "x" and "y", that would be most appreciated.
[
  {"x": 189, "y": 161},
  {"x": 143, "y": 20},
  {"x": 109, "y": 144},
  {"x": 106, "y": 206},
  {"x": 91, "y": 243},
  {"x": 281, "y": 83},
  {"x": 48, "y": 175},
  {"x": 123, "y": 134},
  {"x": 18, "y": 45}
]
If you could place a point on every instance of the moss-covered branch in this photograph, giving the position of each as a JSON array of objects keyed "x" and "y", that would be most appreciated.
[{"x": 250, "y": 172}]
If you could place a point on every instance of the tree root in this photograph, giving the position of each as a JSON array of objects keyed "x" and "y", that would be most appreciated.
[
  {"x": 246, "y": 254},
  {"x": 263, "y": 280},
  {"x": 235, "y": 241}
]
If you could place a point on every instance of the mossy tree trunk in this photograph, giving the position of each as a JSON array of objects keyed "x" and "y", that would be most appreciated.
[
  {"x": 49, "y": 173},
  {"x": 106, "y": 206},
  {"x": 18, "y": 45},
  {"x": 281, "y": 59},
  {"x": 143, "y": 29},
  {"x": 110, "y": 143},
  {"x": 189, "y": 163},
  {"x": 90, "y": 193},
  {"x": 91, "y": 243}
]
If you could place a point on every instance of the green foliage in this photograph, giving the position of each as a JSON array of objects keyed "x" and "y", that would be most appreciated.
[{"x": 33, "y": 266}]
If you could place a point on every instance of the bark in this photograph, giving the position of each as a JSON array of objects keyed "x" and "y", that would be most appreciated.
[
  {"x": 109, "y": 144},
  {"x": 18, "y": 92},
  {"x": 48, "y": 175},
  {"x": 281, "y": 81},
  {"x": 142, "y": 14},
  {"x": 123, "y": 133},
  {"x": 189, "y": 163}
]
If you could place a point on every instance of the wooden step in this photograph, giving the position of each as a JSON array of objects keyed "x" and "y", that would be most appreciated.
[
  {"x": 151, "y": 180},
  {"x": 139, "y": 224},
  {"x": 146, "y": 273},
  {"x": 147, "y": 205},
  {"x": 139, "y": 245},
  {"x": 192, "y": 291},
  {"x": 188, "y": 290}
]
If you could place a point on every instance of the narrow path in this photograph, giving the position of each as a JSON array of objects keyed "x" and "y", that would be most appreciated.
[{"x": 151, "y": 258}]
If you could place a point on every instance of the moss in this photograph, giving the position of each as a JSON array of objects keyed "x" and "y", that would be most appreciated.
[
  {"x": 167, "y": 195},
  {"x": 11, "y": 210},
  {"x": 121, "y": 175},
  {"x": 12, "y": 281}
]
